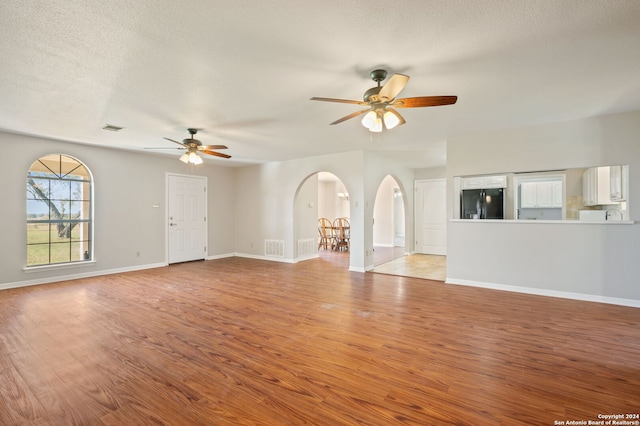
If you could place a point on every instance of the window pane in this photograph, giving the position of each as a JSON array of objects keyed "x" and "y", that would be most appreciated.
[
  {"x": 76, "y": 231},
  {"x": 38, "y": 254},
  {"x": 37, "y": 233},
  {"x": 77, "y": 251},
  {"x": 79, "y": 210},
  {"x": 80, "y": 232},
  {"x": 77, "y": 190},
  {"x": 60, "y": 209},
  {"x": 60, "y": 190},
  {"x": 37, "y": 210},
  {"x": 60, "y": 253},
  {"x": 69, "y": 167},
  {"x": 37, "y": 187},
  {"x": 60, "y": 232}
]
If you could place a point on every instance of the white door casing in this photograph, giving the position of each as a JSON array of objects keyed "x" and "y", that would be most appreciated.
[
  {"x": 431, "y": 216},
  {"x": 186, "y": 218}
]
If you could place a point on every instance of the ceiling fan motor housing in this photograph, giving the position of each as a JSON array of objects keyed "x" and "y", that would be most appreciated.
[
  {"x": 371, "y": 92},
  {"x": 377, "y": 76},
  {"x": 189, "y": 141}
]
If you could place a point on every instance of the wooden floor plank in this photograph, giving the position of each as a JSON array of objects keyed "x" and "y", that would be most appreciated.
[{"x": 241, "y": 342}]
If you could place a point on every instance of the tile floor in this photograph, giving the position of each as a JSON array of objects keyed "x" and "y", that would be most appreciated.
[
  {"x": 426, "y": 266},
  {"x": 394, "y": 261}
]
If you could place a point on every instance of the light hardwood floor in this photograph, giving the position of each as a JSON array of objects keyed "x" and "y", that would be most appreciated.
[{"x": 248, "y": 342}]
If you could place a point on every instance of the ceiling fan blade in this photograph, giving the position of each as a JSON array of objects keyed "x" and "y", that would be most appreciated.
[
  {"x": 344, "y": 101},
  {"x": 425, "y": 101},
  {"x": 165, "y": 148},
  {"x": 392, "y": 87},
  {"x": 179, "y": 143},
  {"x": 207, "y": 147},
  {"x": 350, "y": 116},
  {"x": 217, "y": 154}
]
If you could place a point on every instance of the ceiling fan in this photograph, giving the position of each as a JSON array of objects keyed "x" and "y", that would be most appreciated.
[
  {"x": 380, "y": 99},
  {"x": 193, "y": 147}
]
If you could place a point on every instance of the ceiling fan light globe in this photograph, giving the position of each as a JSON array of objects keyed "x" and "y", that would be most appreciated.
[
  {"x": 184, "y": 158},
  {"x": 194, "y": 158},
  {"x": 390, "y": 120},
  {"x": 377, "y": 127},
  {"x": 370, "y": 119}
]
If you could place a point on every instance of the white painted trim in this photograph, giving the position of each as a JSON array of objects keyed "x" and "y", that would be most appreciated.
[
  {"x": 260, "y": 257},
  {"x": 362, "y": 270},
  {"x": 545, "y": 292},
  {"x": 307, "y": 257},
  {"x": 50, "y": 280},
  {"x": 56, "y": 266},
  {"x": 220, "y": 256}
]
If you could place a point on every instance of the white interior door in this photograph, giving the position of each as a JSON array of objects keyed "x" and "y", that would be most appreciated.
[
  {"x": 187, "y": 219},
  {"x": 431, "y": 216}
]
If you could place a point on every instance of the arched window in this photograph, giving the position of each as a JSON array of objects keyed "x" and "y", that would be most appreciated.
[{"x": 59, "y": 211}]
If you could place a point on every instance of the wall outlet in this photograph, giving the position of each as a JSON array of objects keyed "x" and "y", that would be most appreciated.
[{"x": 137, "y": 254}]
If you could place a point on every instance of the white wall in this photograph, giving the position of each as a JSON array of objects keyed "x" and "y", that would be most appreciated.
[
  {"x": 265, "y": 209},
  {"x": 306, "y": 212},
  {"x": 327, "y": 199},
  {"x": 127, "y": 185},
  {"x": 330, "y": 206},
  {"x": 589, "y": 261},
  {"x": 430, "y": 173}
]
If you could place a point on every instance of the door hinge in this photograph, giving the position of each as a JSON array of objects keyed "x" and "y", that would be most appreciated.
[{"x": 205, "y": 249}]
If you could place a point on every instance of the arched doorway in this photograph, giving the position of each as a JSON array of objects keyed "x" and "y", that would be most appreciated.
[
  {"x": 389, "y": 230},
  {"x": 320, "y": 195}
]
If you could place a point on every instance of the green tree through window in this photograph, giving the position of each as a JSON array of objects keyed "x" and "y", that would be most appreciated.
[{"x": 59, "y": 211}]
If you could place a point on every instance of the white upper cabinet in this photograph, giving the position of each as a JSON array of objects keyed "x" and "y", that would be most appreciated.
[
  {"x": 596, "y": 186},
  {"x": 538, "y": 195},
  {"x": 617, "y": 181},
  {"x": 484, "y": 182},
  {"x": 558, "y": 194}
]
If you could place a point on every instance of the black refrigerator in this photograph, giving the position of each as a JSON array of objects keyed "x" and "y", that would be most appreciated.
[{"x": 482, "y": 203}]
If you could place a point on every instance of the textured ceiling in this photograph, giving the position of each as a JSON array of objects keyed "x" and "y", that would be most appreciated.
[{"x": 243, "y": 71}]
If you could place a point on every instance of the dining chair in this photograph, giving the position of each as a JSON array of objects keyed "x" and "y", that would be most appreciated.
[
  {"x": 341, "y": 234},
  {"x": 325, "y": 232}
]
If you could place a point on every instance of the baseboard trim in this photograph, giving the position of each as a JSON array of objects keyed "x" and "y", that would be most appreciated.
[
  {"x": 545, "y": 292},
  {"x": 220, "y": 256},
  {"x": 269, "y": 258},
  {"x": 307, "y": 257},
  {"x": 51, "y": 280}
]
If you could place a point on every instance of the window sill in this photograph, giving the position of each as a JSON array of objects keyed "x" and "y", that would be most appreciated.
[{"x": 29, "y": 269}]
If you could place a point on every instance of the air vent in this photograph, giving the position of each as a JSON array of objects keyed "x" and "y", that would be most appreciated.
[
  {"x": 112, "y": 128},
  {"x": 274, "y": 248}
]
